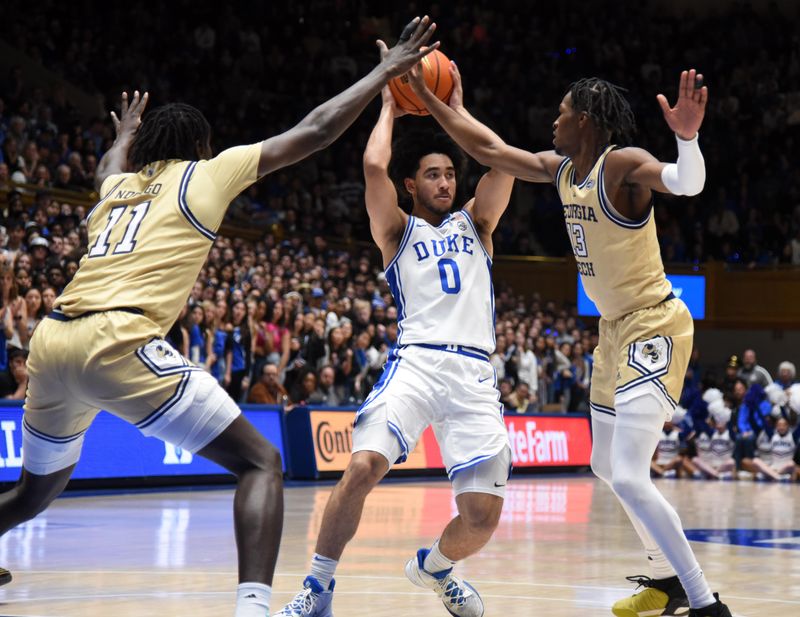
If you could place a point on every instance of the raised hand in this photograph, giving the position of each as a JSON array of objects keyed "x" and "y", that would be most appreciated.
[
  {"x": 687, "y": 115},
  {"x": 130, "y": 118},
  {"x": 410, "y": 49},
  {"x": 457, "y": 96}
]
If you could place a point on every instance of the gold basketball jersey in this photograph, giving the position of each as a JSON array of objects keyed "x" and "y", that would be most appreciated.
[
  {"x": 150, "y": 234},
  {"x": 619, "y": 260}
]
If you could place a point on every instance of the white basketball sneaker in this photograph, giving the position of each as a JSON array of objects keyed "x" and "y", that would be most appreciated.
[
  {"x": 313, "y": 601},
  {"x": 458, "y": 596}
]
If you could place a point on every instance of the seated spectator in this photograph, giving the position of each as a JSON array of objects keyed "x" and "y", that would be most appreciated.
[
  {"x": 786, "y": 374},
  {"x": 268, "y": 389},
  {"x": 14, "y": 380},
  {"x": 714, "y": 446},
  {"x": 751, "y": 372},
  {"x": 326, "y": 391},
  {"x": 520, "y": 400},
  {"x": 775, "y": 460},
  {"x": 751, "y": 421},
  {"x": 668, "y": 459}
]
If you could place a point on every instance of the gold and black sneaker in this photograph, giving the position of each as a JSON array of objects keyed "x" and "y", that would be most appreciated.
[
  {"x": 5, "y": 576},
  {"x": 660, "y": 598}
]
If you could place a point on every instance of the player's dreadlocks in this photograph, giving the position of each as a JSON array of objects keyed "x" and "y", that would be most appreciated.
[
  {"x": 172, "y": 131},
  {"x": 606, "y": 105}
]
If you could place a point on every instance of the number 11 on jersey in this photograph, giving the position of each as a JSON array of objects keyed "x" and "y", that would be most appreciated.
[{"x": 128, "y": 242}]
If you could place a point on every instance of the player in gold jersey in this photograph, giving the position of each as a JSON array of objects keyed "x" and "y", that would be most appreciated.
[
  {"x": 645, "y": 331},
  {"x": 103, "y": 347}
]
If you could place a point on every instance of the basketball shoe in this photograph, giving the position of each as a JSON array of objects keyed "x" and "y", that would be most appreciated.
[
  {"x": 5, "y": 576},
  {"x": 660, "y": 597},
  {"x": 718, "y": 609},
  {"x": 313, "y": 601},
  {"x": 459, "y": 597}
]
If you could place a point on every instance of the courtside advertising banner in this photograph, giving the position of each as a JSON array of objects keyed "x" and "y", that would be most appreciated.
[
  {"x": 536, "y": 441},
  {"x": 112, "y": 448}
]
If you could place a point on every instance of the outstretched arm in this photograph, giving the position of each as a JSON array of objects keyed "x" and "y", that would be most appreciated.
[
  {"x": 479, "y": 141},
  {"x": 386, "y": 220},
  {"x": 115, "y": 161},
  {"x": 327, "y": 122},
  {"x": 687, "y": 176}
]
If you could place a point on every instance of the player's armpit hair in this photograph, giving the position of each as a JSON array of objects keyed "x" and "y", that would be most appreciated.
[
  {"x": 688, "y": 175},
  {"x": 605, "y": 104}
]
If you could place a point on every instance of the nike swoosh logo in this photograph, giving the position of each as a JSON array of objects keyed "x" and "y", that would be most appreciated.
[
  {"x": 484, "y": 379},
  {"x": 499, "y": 485}
]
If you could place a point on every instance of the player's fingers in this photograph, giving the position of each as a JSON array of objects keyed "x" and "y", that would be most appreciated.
[
  {"x": 682, "y": 87},
  {"x": 124, "y": 103},
  {"x": 409, "y": 30},
  {"x": 381, "y": 46},
  {"x": 690, "y": 83},
  {"x": 420, "y": 29},
  {"x": 662, "y": 101},
  {"x": 115, "y": 120},
  {"x": 455, "y": 72},
  {"x": 427, "y": 35},
  {"x": 698, "y": 87},
  {"x": 703, "y": 96},
  {"x": 424, "y": 51},
  {"x": 145, "y": 98}
]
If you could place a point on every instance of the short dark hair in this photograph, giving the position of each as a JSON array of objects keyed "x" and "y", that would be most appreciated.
[
  {"x": 606, "y": 105},
  {"x": 409, "y": 149},
  {"x": 172, "y": 131}
]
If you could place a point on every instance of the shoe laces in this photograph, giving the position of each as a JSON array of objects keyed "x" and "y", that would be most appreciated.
[
  {"x": 641, "y": 580},
  {"x": 302, "y": 603},
  {"x": 452, "y": 590}
]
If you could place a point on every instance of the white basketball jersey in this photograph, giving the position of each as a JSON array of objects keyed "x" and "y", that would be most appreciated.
[
  {"x": 441, "y": 280},
  {"x": 783, "y": 448},
  {"x": 668, "y": 447},
  {"x": 721, "y": 447}
]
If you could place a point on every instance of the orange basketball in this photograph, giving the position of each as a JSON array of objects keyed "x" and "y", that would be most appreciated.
[{"x": 436, "y": 70}]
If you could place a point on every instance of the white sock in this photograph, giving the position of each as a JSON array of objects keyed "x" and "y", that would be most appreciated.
[
  {"x": 697, "y": 590},
  {"x": 252, "y": 600},
  {"x": 322, "y": 569},
  {"x": 436, "y": 561},
  {"x": 659, "y": 566}
]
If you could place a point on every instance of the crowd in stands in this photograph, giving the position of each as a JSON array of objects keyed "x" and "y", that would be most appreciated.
[{"x": 255, "y": 69}]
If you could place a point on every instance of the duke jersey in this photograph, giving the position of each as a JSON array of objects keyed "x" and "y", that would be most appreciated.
[
  {"x": 783, "y": 449},
  {"x": 441, "y": 281},
  {"x": 668, "y": 447},
  {"x": 619, "y": 259},
  {"x": 150, "y": 234}
]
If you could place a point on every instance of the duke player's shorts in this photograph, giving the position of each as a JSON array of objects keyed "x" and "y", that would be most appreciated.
[
  {"x": 116, "y": 361},
  {"x": 644, "y": 351},
  {"x": 454, "y": 389}
]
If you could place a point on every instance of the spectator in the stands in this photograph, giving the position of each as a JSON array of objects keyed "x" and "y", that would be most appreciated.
[
  {"x": 14, "y": 377},
  {"x": 786, "y": 374},
  {"x": 268, "y": 390},
  {"x": 520, "y": 400},
  {"x": 751, "y": 372},
  {"x": 326, "y": 390}
]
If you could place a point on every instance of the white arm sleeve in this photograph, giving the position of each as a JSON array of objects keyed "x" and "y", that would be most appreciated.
[{"x": 688, "y": 175}]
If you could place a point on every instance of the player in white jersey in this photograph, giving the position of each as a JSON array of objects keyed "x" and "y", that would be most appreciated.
[
  {"x": 606, "y": 190},
  {"x": 438, "y": 265}
]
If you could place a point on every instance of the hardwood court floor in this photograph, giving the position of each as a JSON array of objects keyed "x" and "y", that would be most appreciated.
[{"x": 562, "y": 549}]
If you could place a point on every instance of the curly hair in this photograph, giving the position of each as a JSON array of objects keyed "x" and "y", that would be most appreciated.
[
  {"x": 605, "y": 104},
  {"x": 409, "y": 150}
]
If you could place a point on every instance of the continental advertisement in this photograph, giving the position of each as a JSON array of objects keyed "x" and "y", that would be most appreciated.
[{"x": 536, "y": 441}]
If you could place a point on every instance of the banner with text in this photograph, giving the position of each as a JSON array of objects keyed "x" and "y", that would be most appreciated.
[{"x": 536, "y": 441}]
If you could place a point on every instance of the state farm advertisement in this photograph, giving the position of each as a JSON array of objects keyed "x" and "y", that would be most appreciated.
[{"x": 536, "y": 441}]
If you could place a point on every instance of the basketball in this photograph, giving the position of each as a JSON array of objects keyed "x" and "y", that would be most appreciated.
[{"x": 436, "y": 70}]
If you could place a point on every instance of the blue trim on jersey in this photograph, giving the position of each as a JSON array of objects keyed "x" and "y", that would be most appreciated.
[
  {"x": 446, "y": 220},
  {"x": 51, "y": 438},
  {"x": 471, "y": 463},
  {"x": 158, "y": 371},
  {"x": 492, "y": 316},
  {"x": 461, "y": 350},
  {"x": 560, "y": 170},
  {"x": 393, "y": 279},
  {"x": 403, "y": 443},
  {"x": 585, "y": 180},
  {"x": 184, "y": 207},
  {"x": 602, "y": 409},
  {"x": 380, "y": 386},
  {"x": 477, "y": 236},
  {"x": 97, "y": 205},
  {"x": 167, "y": 405},
  {"x": 605, "y": 204},
  {"x": 642, "y": 369},
  {"x": 403, "y": 242}
]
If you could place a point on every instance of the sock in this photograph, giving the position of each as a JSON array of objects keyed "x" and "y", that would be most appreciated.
[
  {"x": 322, "y": 569},
  {"x": 697, "y": 590},
  {"x": 436, "y": 561},
  {"x": 659, "y": 566},
  {"x": 252, "y": 600}
]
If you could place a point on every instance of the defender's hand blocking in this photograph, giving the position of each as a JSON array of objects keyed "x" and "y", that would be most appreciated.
[
  {"x": 130, "y": 115},
  {"x": 687, "y": 115},
  {"x": 410, "y": 49}
]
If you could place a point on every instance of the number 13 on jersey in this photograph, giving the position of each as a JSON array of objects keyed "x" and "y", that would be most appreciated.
[{"x": 578, "y": 240}]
